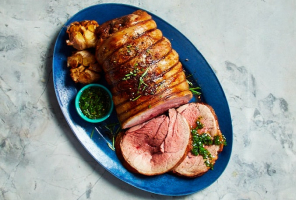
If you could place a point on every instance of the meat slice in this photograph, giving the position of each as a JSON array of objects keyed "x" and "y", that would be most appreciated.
[
  {"x": 193, "y": 166},
  {"x": 154, "y": 147},
  {"x": 155, "y": 105},
  {"x": 142, "y": 69}
]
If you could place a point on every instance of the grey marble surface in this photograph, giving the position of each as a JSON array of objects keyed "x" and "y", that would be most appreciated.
[{"x": 250, "y": 44}]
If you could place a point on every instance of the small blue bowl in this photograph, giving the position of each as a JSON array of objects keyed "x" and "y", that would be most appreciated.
[{"x": 78, "y": 96}]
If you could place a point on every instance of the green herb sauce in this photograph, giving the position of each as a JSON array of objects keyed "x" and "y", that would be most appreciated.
[
  {"x": 94, "y": 102},
  {"x": 200, "y": 140},
  {"x": 218, "y": 140}
]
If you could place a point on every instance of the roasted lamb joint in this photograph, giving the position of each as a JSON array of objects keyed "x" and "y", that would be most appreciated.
[{"x": 143, "y": 70}]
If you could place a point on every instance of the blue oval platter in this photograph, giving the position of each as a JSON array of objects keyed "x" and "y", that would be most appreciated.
[{"x": 212, "y": 93}]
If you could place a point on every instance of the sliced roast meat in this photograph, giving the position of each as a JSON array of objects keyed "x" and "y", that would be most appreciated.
[
  {"x": 193, "y": 166},
  {"x": 156, "y": 146},
  {"x": 155, "y": 106},
  {"x": 138, "y": 61},
  {"x": 203, "y": 113}
]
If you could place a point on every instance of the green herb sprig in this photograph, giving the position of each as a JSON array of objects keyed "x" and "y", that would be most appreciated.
[
  {"x": 194, "y": 90},
  {"x": 92, "y": 133},
  {"x": 128, "y": 48},
  {"x": 136, "y": 98},
  {"x": 113, "y": 132},
  {"x": 141, "y": 81},
  {"x": 111, "y": 146},
  {"x": 131, "y": 73}
]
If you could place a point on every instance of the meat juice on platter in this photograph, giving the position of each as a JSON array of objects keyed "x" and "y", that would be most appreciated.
[{"x": 161, "y": 131}]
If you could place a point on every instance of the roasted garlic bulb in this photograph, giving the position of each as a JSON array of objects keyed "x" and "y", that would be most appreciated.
[
  {"x": 82, "y": 34},
  {"x": 84, "y": 67}
]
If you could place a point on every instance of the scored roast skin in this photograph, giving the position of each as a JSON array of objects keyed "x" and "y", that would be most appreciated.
[
  {"x": 193, "y": 166},
  {"x": 156, "y": 146},
  {"x": 143, "y": 71}
]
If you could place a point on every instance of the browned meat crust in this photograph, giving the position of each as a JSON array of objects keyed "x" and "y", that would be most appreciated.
[{"x": 141, "y": 67}]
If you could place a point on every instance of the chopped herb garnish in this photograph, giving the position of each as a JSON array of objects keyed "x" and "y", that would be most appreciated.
[
  {"x": 144, "y": 74},
  {"x": 111, "y": 128},
  {"x": 209, "y": 164},
  {"x": 141, "y": 81},
  {"x": 111, "y": 146},
  {"x": 218, "y": 140},
  {"x": 199, "y": 124},
  {"x": 128, "y": 76},
  {"x": 92, "y": 133},
  {"x": 200, "y": 140},
  {"x": 149, "y": 106},
  {"x": 144, "y": 87},
  {"x": 189, "y": 83},
  {"x": 94, "y": 102},
  {"x": 136, "y": 98}
]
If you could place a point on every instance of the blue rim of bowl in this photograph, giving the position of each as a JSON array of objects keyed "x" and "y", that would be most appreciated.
[{"x": 79, "y": 110}]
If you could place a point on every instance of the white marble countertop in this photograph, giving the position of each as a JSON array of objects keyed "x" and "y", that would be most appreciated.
[{"x": 250, "y": 44}]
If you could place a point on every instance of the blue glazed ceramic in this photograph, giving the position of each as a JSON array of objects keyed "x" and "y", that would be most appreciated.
[{"x": 212, "y": 94}]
